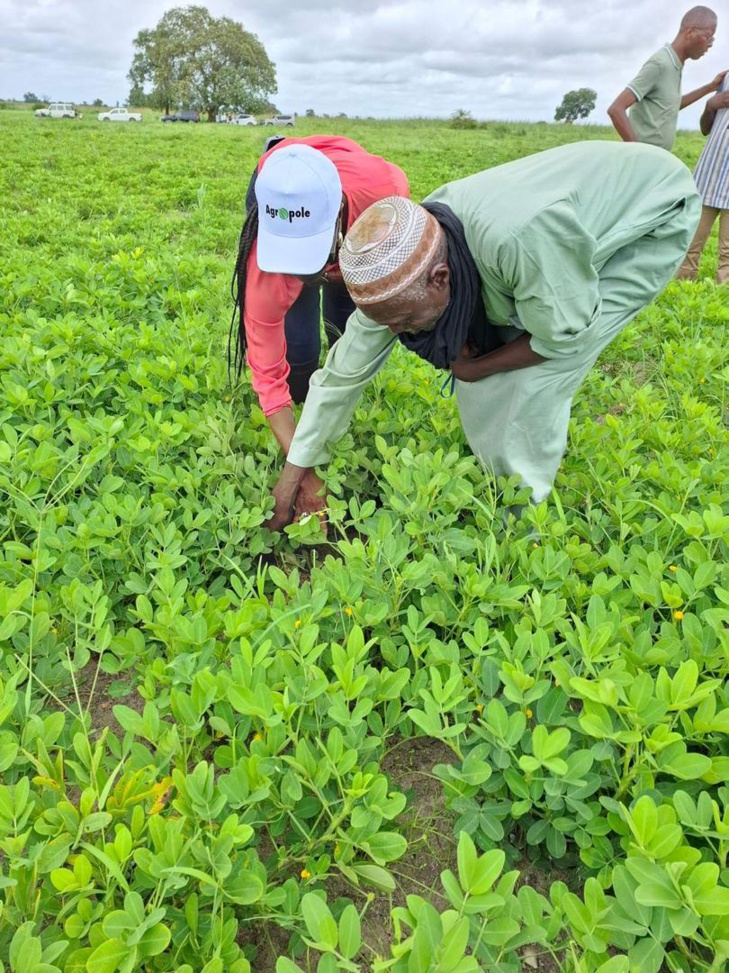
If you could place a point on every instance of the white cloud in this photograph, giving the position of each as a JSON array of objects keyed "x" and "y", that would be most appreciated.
[{"x": 497, "y": 58}]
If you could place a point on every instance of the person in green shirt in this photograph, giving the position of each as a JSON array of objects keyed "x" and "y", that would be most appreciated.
[
  {"x": 654, "y": 96},
  {"x": 513, "y": 280}
]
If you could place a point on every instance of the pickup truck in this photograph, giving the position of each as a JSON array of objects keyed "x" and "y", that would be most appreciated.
[{"x": 120, "y": 115}]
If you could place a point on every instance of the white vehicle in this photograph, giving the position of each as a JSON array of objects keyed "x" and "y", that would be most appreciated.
[
  {"x": 120, "y": 115},
  {"x": 57, "y": 109},
  {"x": 280, "y": 120},
  {"x": 244, "y": 120}
]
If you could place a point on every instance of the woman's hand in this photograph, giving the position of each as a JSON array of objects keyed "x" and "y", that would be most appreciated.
[
  {"x": 284, "y": 495},
  {"x": 283, "y": 512}
]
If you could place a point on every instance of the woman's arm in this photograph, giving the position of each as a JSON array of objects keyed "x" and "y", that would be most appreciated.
[{"x": 283, "y": 426}]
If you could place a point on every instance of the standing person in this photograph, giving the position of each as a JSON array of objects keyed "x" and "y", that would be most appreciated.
[
  {"x": 712, "y": 181},
  {"x": 654, "y": 95},
  {"x": 307, "y": 193},
  {"x": 555, "y": 253}
]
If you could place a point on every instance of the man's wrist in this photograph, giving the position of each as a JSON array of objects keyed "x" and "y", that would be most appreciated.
[
  {"x": 484, "y": 367},
  {"x": 291, "y": 477}
]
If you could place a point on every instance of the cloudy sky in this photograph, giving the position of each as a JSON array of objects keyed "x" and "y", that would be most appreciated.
[{"x": 499, "y": 59}]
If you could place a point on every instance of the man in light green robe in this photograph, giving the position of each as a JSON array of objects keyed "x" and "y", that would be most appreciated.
[{"x": 569, "y": 244}]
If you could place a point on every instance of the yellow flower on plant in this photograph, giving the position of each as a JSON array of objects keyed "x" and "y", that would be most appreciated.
[
  {"x": 347, "y": 610},
  {"x": 305, "y": 873},
  {"x": 257, "y": 736},
  {"x": 678, "y": 616},
  {"x": 529, "y": 714},
  {"x": 672, "y": 567},
  {"x": 479, "y": 707},
  {"x": 297, "y": 623}
]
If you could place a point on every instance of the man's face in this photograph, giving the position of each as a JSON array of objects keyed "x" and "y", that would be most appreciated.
[
  {"x": 412, "y": 314},
  {"x": 417, "y": 311},
  {"x": 701, "y": 40}
]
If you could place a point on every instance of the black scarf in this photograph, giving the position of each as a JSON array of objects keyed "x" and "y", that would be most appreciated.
[{"x": 464, "y": 320}]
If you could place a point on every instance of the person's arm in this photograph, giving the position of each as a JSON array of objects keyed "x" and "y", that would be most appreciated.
[
  {"x": 268, "y": 298},
  {"x": 712, "y": 106},
  {"x": 517, "y": 354},
  {"x": 706, "y": 89},
  {"x": 333, "y": 395},
  {"x": 284, "y": 495},
  {"x": 618, "y": 113},
  {"x": 646, "y": 80},
  {"x": 283, "y": 426},
  {"x": 298, "y": 491}
]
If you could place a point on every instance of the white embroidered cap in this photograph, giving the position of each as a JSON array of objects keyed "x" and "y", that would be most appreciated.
[{"x": 391, "y": 244}]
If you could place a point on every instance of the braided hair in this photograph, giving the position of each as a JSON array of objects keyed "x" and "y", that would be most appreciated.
[
  {"x": 237, "y": 335},
  {"x": 248, "y": 233}
]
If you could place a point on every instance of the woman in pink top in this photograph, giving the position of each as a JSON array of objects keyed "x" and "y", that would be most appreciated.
[{"x": 308, "y": 192}]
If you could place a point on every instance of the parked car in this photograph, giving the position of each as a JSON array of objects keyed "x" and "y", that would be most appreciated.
[
  {"x": 244, "y": 120},
  {"x": 120, "y": 115},
  {"x": 280, "y": 120},
  {"x": 185, "y": 115},
  {"x": 57, "y": 109}
]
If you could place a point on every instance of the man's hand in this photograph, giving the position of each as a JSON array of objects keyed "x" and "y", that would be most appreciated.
[
  {"x": 466, "y": 368},
  {"x": 509, "y": 357},
  {"x": 284, "y": 493},
  {"x": 310, "y": 498},
  {"x": 718, "y": 101},
  {"x": 716, "y": 83}
]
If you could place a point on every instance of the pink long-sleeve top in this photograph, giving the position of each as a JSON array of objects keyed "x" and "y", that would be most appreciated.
[{"x": 365, "y": 179}]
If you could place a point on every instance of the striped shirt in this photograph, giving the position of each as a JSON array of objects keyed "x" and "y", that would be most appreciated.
[{"x": 712, "y": 170}]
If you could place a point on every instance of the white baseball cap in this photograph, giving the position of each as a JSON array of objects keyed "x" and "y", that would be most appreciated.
[{"x": 299, "y": 195}]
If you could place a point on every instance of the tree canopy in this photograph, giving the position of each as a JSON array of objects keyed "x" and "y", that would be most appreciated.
[
  {"x": 576, "y": 104},
  {"x": 195, "y": 60}
]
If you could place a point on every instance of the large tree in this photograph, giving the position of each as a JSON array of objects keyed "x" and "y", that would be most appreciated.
[
  {"x": 576, "y": 104},
  {"x": 194, "y": 59}
]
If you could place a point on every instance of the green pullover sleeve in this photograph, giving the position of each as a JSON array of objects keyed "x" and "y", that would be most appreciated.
[{"x": 335, "y": 389}]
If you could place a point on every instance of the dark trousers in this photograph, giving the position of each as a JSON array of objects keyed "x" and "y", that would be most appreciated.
[
  {"x": 302, "y": 324},
  {"x": 303, "y": 331}
]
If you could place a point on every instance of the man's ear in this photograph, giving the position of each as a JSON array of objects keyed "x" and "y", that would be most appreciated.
[{"x": 439, "y": 277}]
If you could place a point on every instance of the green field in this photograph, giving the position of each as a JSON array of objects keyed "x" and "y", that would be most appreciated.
[{"x": 427, "y": 743}]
